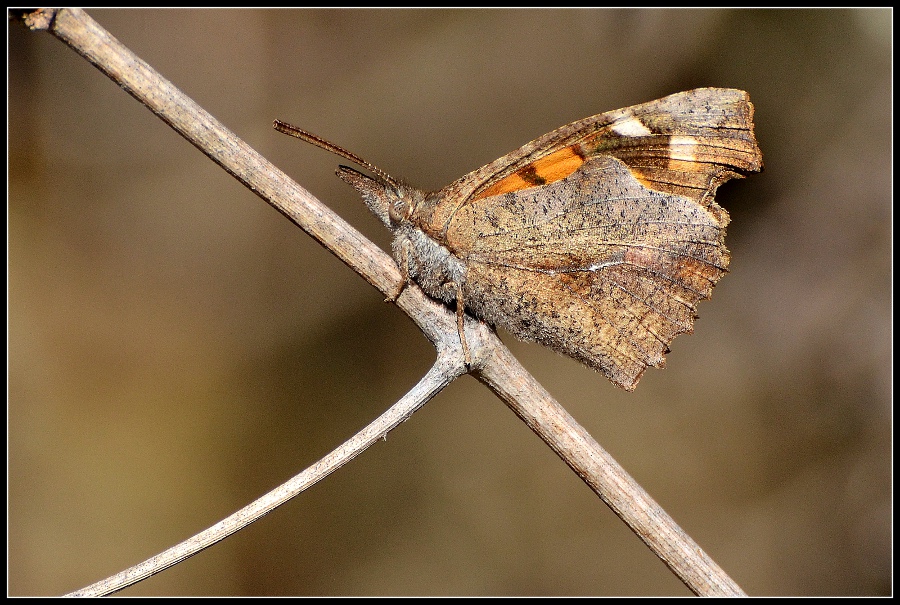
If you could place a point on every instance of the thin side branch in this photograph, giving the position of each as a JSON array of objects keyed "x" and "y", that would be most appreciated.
[
  {"x": 492, "y": 362},
  {"x": 439, "y": 376}
]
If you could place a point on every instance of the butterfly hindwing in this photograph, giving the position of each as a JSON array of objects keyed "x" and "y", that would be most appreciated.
[{"x": 595, "y": 265}]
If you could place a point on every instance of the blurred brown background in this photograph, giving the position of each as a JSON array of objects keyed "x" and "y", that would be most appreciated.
[{"x": 177, "y": 347}]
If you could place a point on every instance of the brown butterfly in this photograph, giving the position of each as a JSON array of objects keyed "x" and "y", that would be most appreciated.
[{"x": 597, "y": 239}]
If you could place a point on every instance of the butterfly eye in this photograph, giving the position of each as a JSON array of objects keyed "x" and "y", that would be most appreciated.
[{"x": 399, "y": 210}]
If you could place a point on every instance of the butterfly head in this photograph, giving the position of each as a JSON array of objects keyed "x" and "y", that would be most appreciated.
[{"x": 391, "y": 200}]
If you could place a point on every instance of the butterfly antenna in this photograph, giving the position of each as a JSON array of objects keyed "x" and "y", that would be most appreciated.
[{"x": 335, "y": 149}]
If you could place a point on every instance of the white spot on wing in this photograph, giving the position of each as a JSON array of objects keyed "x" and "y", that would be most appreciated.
[
  {"x": 598, "y": 266},
  {"x": 683, "y": 148},
  {"x": 631, "y": 127}
]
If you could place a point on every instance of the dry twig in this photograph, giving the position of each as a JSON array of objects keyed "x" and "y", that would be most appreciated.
[{"x": 492, "y": 363}]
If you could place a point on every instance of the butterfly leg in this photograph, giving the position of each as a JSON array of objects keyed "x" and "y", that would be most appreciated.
[
  {"x": 404, "y": 271},
  {"x": 460, "y": 317},
  {"x": 396, "y": 294}
]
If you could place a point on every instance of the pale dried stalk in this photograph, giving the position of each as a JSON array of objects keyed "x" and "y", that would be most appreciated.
[
  {"x": 493, "y": 364},
  {"x": 430, "y": 385}
]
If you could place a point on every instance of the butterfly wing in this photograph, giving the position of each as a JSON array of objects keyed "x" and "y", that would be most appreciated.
[
  {"x": 687, "y": 143},
  {"x": 599, "y": 238},
  {"x": 603, "y": 269}
]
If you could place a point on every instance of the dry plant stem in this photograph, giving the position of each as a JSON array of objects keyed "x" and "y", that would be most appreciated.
[
  {"x": 89, "y": 39},
  {"x": 492, "y": 362},
  {"x": 537, "y": 408},
  {"x": 431, "y": 384}
]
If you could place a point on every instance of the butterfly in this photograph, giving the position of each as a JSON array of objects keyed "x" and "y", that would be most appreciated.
[{"x": 597, "y": 239}]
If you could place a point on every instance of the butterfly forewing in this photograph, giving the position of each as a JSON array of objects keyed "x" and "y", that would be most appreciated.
[{"x": 679, "y": 144}]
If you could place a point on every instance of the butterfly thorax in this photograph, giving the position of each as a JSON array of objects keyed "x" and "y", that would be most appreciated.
[{"x": 427, "y": 262}]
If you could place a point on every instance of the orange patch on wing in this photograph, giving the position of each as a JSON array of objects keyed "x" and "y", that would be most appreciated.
[
  {"x": 685, "y": 166},
  {"x": 554, "y": 167}
]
